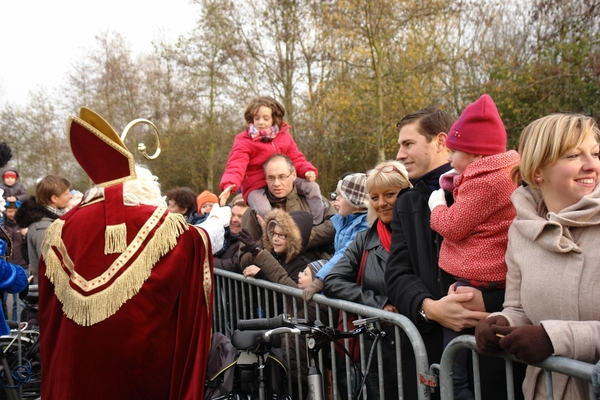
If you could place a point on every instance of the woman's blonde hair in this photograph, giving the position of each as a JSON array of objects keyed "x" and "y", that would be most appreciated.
[
  {"x": 379, "y": 177},
  {"x": 546, "y": 139}
]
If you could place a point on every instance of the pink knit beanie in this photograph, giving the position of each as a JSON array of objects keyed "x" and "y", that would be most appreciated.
[{"x": 479, "y": 129}]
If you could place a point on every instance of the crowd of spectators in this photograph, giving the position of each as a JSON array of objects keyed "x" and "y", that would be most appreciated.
[{"x": 457, "y": 234}]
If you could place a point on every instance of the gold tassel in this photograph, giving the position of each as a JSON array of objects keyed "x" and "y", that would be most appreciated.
[
  {"x": 115, "y": 239},
  {"x": 89, "y": 310}
]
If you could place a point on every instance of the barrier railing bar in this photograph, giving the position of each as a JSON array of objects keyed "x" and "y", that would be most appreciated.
[{"x": 562, "y": 365}]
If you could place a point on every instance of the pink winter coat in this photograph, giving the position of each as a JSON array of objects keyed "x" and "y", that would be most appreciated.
[
  {"x": 245, "y": 164},
  {"x": 475, "y": 227}
]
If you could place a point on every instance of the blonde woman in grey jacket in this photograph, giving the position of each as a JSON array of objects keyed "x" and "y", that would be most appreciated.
[{"x": 552, "y": 305}]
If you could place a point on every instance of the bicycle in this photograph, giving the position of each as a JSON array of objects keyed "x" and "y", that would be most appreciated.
[
  {"x": 20, "y": 363},
  {"x": 262, "y": 334}
]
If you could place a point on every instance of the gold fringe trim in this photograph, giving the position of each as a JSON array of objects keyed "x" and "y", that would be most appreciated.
[
  {"x": 89, "y": 310},
  {"x": 207, "y": 273},
  {"x": 115, "y": 239}
]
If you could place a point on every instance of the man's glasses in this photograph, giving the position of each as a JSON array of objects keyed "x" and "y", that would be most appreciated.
[
  {"x": 282, "y": 177},
  {"x": 386, "y": 169}
]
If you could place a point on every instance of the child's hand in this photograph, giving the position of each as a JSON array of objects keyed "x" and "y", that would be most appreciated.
[
  {"x": 310, "y": 176},
  {"x": 225, "y": 195},
  {"x": 315, "y": 287},
  {"x": 251, "y": 271},
  {"x": 437, "y": 198},
  {"x": 12, "y": 199}
]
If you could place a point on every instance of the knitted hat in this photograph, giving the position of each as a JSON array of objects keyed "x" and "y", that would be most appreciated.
[
  {"x": 353, "y": 188},
  {"x": 479, "y": 129},
  {"x": 204, "y": 197},
  {"x": 13, "y": 204},
  {"x": 316, "y": 266},
  {"x": 10, "y": 173}
]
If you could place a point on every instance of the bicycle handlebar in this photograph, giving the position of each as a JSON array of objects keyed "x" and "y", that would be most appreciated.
[{"x": 282, "y": 320}]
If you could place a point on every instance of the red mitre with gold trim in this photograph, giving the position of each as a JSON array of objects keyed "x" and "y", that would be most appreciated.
[{"x": 104, "y": 157}]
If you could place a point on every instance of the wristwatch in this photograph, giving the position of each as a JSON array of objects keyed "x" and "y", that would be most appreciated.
[{"x": 422, "y": 312}]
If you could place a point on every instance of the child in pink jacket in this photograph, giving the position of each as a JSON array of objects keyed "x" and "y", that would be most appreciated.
[
  {"x": 267, "y": 134},
  {"x": 475, "y": 227}
]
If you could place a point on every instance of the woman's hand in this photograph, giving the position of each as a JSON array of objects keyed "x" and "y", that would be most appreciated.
[
  {"x": 488, "y": 343},
  {"x": 310, "y": 176},
  {"x": 225, "y": 194},
  {"x": 450, "y": 312},
  {"x": 476, "y": 303},
  {"x": 251, "y": 271},
  {"x": 529, "y": 343}
]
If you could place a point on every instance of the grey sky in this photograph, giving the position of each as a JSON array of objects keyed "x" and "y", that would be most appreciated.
[{"x": 39, "y": 39}]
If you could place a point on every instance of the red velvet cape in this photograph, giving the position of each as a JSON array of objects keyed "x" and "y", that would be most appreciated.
[{"x": 154, "y": 345}]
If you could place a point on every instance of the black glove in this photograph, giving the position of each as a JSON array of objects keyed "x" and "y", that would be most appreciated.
[
  {"x": 250, "y": 245},
  {"x": 488, "y": 344},
  {"x": 529, "y": 343}
]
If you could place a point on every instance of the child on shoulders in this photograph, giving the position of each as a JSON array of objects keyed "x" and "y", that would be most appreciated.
[{"x": 267, "y": 134}]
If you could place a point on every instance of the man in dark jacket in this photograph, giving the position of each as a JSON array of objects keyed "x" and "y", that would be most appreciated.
[
  {"x": 416, "y": 286},
  {"x": 227, "y": 258}
]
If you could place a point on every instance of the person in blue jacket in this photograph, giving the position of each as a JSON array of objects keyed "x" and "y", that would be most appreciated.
[
  {"x": 353, "y": 200},
  {"x": 13, "y": 278}
]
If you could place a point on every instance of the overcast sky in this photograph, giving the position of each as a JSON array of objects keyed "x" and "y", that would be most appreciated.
[{"x": 39, "y": 39}]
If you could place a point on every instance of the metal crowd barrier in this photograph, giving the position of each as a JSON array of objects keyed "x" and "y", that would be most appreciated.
[
  {"x": 238, "y": 298},
  {"x": 563, "y": 365}
]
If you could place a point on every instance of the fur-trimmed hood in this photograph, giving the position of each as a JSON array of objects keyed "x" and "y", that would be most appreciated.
[
  {"x": 297, "y": 226},
  {"x": 30, "y": 212}
]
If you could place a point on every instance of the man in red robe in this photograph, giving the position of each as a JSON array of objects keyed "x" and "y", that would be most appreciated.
[{"x": 125, "y": 286}]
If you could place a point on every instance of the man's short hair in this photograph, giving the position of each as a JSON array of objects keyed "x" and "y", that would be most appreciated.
[
  {"x": 431, "y": 121},
  {"x": 184, "y": 197},
  {"x": 49, "y": 186},
  {"x": 280, "y": 156}
]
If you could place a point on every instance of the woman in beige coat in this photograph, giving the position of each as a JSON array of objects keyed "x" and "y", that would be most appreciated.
[{"x": 552, "y": 306}]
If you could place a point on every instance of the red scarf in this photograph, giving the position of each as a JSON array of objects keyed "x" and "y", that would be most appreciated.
[{"x": 385, "y": 235}]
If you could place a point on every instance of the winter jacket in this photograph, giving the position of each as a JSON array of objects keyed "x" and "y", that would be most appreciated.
[
  {"x": 553, "y": 280},
  {"x": 13, "y": 279},
  {"x": 340, "y": 283},
  {"x": 320, "y": 244},
  {"x": 196, "y": 219},
  {"x": 412, "y": 275},
  {"x": 475, "y": 227},
  {"x": 244, "y": 167},
  {"x": 14, "y": 233},
  {"x": 229, "y": 260},
  {"x": 36, "y": 218},
  {"x": 346, "y": 229},
  {"x": 17, "y": 189}
]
